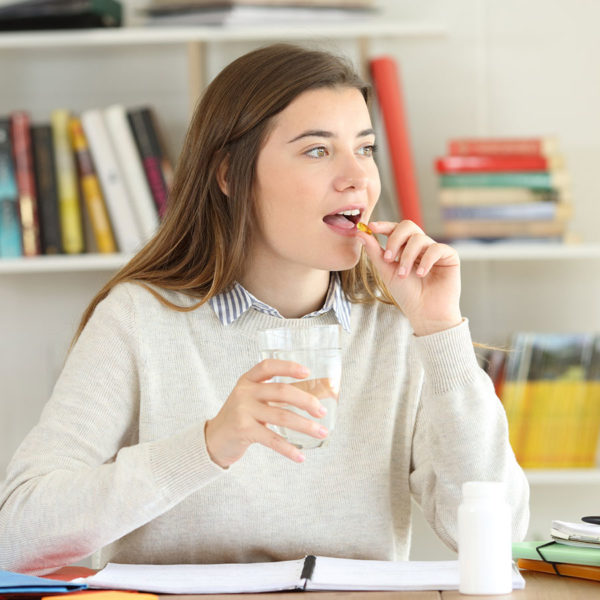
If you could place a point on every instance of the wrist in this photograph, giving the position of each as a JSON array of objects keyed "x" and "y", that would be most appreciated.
[{"x": 429, "y": 327}]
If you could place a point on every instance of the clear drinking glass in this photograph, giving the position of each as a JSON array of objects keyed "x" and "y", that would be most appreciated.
[{"x": 318, "y": 349}]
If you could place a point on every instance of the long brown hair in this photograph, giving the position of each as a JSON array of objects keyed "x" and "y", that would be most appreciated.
[{"x": 201, "y": 245}]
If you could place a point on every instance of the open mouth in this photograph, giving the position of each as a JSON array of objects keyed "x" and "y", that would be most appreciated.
[{"x": 346, "y": 219}]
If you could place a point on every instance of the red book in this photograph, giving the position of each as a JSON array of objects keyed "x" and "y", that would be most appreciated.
[
  {"x": 495, "y": 164},
  {"x": 24, "y": 169},
  {"x": 511, "y": 146},
  {"x": 386, "y": 79}
]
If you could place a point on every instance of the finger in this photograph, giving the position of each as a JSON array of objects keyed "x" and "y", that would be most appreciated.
[
  {"x": 290, "y": 394},
  {"x": 399, "y": 238},
  {"x": 387, "y": 227},
  {"x": 284, "y": 417},
  {"x": 415, "y": 246},
  {"x": 273, "y": 367},
  {"x": 437, "y": 254},
  {"x": 273, "y": 440}
]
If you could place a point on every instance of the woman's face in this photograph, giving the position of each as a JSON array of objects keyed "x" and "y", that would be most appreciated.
[{"x": 316, "y": 162}]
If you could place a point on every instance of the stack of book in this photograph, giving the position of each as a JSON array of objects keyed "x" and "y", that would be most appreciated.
[
  {"x": 550, "y": 389},
  {"x": 97, "y": 182},
  {"x": 574, "y": 551},
  {"x": 504, "y": 189},
  {"x": 255, "y": 12}
]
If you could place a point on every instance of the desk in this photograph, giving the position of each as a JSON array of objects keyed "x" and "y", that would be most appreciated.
[{"x": 539, "y": 586}]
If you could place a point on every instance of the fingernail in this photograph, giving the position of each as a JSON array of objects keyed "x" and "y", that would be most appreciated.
[
  {"x": 323, "y": 432},
  {"x": 300, "y": 458},
  {"x": 388, "y": 254},
  {"x": 322, "y": 410},
  {"x": 420, "y": 271},
  {"x": 402, "y": 271},
  {"x": 304, "y": 371}
]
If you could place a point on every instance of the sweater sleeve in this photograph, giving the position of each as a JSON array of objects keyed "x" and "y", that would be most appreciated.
[
  {"x": 80, "y": 479},
  {"x": 460, "y": 434}
]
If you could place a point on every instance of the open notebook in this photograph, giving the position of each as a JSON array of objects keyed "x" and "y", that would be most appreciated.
[{"x": 308, "y": 573}]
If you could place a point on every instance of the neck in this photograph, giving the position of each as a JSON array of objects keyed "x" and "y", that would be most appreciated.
[{"x": 293, "y": 294}]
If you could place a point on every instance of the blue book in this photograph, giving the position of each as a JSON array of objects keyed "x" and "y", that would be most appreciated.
[
  {"x": 10, "y": 223},
  {"x": 17, "y": 583}
]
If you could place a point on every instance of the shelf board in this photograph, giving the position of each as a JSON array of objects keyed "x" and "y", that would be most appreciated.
[
  {"x": 530, "y": 251},
  {"x": 177, "y": 35},
  {"x": 563, "y": 476},
  {"x": 63, "y": 263}
]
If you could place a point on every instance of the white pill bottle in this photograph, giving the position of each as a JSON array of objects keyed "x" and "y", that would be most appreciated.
[{"x": 484, "y": 539}]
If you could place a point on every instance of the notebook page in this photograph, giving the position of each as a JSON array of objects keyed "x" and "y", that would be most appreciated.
[
  {"x": 348, "y": 574},
  {"x": 200, "y": 579}
]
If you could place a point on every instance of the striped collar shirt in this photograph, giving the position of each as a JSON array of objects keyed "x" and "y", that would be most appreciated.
[{"x": 231, "y": 305}]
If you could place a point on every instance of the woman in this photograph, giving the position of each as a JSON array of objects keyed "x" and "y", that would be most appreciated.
[{"x": 155, "y": 445}]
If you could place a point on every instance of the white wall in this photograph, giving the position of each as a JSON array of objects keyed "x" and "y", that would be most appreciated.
[{"x": 503, "y": 68}]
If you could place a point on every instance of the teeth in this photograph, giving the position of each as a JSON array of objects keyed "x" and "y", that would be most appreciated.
[{"x": 350, "y": 213}]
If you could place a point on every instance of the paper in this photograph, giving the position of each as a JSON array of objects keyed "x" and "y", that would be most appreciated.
[
  {"x": 328, "y": 574},
  {"x": 587, "y": 533},
  {"x": 17, "y": 583}
]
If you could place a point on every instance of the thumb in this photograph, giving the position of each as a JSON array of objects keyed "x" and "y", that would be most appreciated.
[{"x": 373, "y": 249}]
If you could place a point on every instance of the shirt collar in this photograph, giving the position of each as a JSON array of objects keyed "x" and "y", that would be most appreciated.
[{"x": 231, "y": 305}]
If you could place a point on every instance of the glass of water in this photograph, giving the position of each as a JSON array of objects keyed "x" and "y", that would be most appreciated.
[{"x": 318, "y": 349}]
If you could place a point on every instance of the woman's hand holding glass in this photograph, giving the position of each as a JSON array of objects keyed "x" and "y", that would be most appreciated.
[
  {"x": 253, "y": 404},
  {"x": 422, "y": 275}
]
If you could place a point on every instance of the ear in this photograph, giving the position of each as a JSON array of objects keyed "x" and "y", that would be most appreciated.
[{"x": 222, "y": 175}]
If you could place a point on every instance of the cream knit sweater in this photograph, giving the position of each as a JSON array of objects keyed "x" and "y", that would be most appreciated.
[{"x": 118, "y": 464}]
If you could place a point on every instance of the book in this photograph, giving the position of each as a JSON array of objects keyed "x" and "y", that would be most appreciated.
[
  {"x": 576, "y": 534},
  {"x": 154, "y": 158},
  {"x": 71, "y": 225},
  {"x": 310, "y": 573},
  {"x": 553, "y": 552},
  {"x": 534, "y": 180},
  {"x": 479, "y": 196},
  {"x": 28, "y": 207},
  {"x": 120, "y": 208},
  {"x": 18, "y": 583},
  {"x": 387, "y": 83},
  {"x": 10, "y": 224},
  {"x": 90, "y": 188},
  {"x": 178, "y": 4},
  {"x": 562, "y": 569},
  {"x": 59, "y": 14},
  {"x": 493, "y": 229},
  {"x": 544, "y": 146},
  {"x": 492, "y": 164},
  {"x": 47, "y": 192},
  {"x": 133, "y": 170},
  {"x": 542, "y": 211}
]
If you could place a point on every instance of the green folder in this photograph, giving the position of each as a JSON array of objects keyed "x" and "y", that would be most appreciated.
[{"x": 559, "y": 553}]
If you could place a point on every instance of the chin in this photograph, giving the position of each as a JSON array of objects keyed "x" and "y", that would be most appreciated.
[{"x": 343, "y": 261}]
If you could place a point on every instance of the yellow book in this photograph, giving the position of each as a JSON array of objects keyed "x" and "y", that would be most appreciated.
[
  {"x": 90, "y": 186},
  {"x": 66, "y": 176}
]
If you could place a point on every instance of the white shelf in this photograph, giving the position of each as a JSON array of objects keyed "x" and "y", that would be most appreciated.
[
  {"x": 528, "y": 251},
  {"x": 563, "y": 476},
  {"x": 63, "y": 263},
  {"x": 177, "y": 35}
]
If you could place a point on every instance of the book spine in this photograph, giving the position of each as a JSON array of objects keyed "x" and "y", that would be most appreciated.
[
  {"x": 495, "y": 164},
  {"x": 68, "y": 192},
  {"x": 90, "y": 186},
  {"x": 532, "y": 180},
  {"x": 10, "y": 224},
  {"x": 133, "y": 171},
  {"x": 45, "y": 179},
  {"x": 151, "y": 158},
  {"x": 496, "y": 196},
  {"x": 542, "y": 211},
  {"x": 502, "y": 146},
  {"x": 500, "y": 229},
  {"x": 158, "y": 141},
  {"x": 28, "y": 209},
  {"x": 386, "y": 79},
  {"x": 119, "y": 206}
]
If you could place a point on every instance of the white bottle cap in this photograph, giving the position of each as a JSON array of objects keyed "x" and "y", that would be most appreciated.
[{"x": 482, "y": 489}]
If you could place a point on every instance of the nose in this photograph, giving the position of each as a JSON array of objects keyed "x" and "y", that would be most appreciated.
[{"x": 351, "y": 175}]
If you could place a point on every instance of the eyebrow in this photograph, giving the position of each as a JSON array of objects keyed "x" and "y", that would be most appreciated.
[{"x": 328, "y": 134}]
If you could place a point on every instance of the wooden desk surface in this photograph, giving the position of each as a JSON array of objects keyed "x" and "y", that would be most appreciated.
[{"x": 539, "y": 586}]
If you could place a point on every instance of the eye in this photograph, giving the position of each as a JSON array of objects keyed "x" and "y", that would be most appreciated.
[
  {"x": 368, "y": 150},
  {"x": 318, "y": 152}
]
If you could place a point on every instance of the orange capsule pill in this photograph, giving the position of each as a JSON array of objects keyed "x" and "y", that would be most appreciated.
[{"x": 364, "y": 228}]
